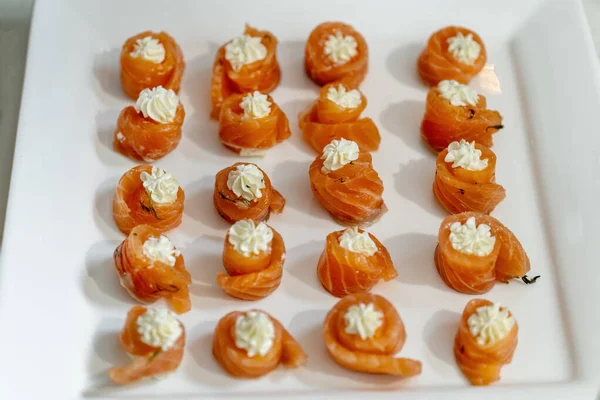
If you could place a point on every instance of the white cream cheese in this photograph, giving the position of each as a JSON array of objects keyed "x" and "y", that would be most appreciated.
[
  {"x": 248, "y": 238},
  {"x": 244, "y": 49},
  {"x": 469, "y": 238},
  {"x": 464, "y": 48},
  {"x": 120, "y": 137},
  {"x": 254, "y": 332},
  {"x": 490, "y": 324},
  {"x": 161, "y": 186},
  {"x": 363, "y": 320},
  {"x": 338, "y": 153},
  {"x": 256, "y": 105},
  {"x": 149, "y": 49},
  {"x": 457, "y": 93},
  {"x": 158, "y": 104},
  {"x": 343, "y": 98},
  {"x": 160, "y": 249},
  {"x": 246, "y": 181},
  {"x": 339, "y": 48},
  {"x": 159, "y": 327},
  {"x": 464, "y": 155},
  {"x": 357, "y": 242}
]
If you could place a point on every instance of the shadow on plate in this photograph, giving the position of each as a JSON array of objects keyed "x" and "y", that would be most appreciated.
[
  {"x": 203, "y": 259},
  {"x": 199, "y": 203},
  {"x": 291, "y": 179},
  {"x": 403, "y": 119},
  {"x": 103, "y": 212},
  {"x": 402, "y": 65},
  {"x": 413, "y": 258},
  {"x": 301, "y": 263},
  {"x": 291, "y": 110},
  {"x": 106, "y": 123},
  {"x": 196, "y": 81},
  {"x": 107, "y": 74},
  {"x": 439, "y": 334},
  {"x": 414, "y": 181},
  {"x": 293, "y": 74},
  {"x": 100, "y": 281}
]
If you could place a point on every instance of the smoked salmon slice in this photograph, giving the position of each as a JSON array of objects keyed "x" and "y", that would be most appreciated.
[
  {"x": 352, "y": 191},
  {"x": 353, "y": 261},
  {"x": 252, "y": 344},
  {"x": 244, "y": 191},
  {"x": 134, "y": 204},
  {"x": 143, "y": 138},
  {"x": 139, "y": 72},
  {"x": 328, "y": 119},
  {"x": 155, "y": 352},
  {"x": 458, "y": 189},
  {"x": 336, "y": 52},
  {"x": 150, "y": 267},
  {"x": 481, "y": 360},
  {"x": 248, "y": 134},
  {"x": 445, "y": 123},
  {"x": 363, "y": 332},
  {"x": 475, "y": 251},
  {"x": 252, "y": 275},
  {"x": 261, "y": 75},
  {"x": 452, "y": 53}
]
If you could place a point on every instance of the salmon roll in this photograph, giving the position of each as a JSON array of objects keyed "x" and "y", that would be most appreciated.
[
  {"x": 150, "y": 267},
  {"x": 148, "y": 195},
  {"x": 253, "y": 257},
  {"x": 486, "y": 341},
  {"x": 336, "y": 52},
  {"x": 148, "y": 60},
  {"x": 336, "y": 115},
  {"x": 353, "y": 262},
  {"x": 253, "y": 343},
  {"x": 363, "y": 332},
  {"x": 344, "y": 182},
  {"x": 244, "y": 191},
  {"x": 455, "y": 111},
  {"x": 247, "y": 63},
  {"x": 452, "y": 53},
  {"x": 152, "y": 128},
  {"x": 465, "y": 178},
  {"x": 154, "y": 339},
  {"x": 475, "y": 251},
  {"x": 250, "y": 124}
]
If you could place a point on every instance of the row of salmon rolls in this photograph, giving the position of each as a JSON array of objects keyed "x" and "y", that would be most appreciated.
[{"x": 363, "y": 332}]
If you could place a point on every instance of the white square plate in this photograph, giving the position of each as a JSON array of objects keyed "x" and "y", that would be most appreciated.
[{"x": 60, "y": 302}]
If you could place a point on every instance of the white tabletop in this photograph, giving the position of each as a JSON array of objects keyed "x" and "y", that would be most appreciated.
[{"x": 15, "y": 16}]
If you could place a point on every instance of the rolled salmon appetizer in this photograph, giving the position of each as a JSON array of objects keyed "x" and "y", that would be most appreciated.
[
  {"x": 154, "y": 339},
  {"x": 150, "y": 267},
  {"x": 353, "y": 262},
  {"x": 148, "y": 60},
  {"x": 244, "y": 191},
  {"x": 453, "y": 112},
  {"x": 465, "y": 178},
  {"x": 253, "y": 258},
  {"x": 250, "y": 124},
  {"x": 346, "y": 185},
  {"x": 336, "y": 52},
  {"x": 148, "y": 195},
  {"x": 247, "y": 63},
  {"x": 363, "y": 332},
  {"x": 252, "y": 344},
  {"x": 486, "y": 341},
  {"x": 475, "y": 251},
  {"x": 152, "y": 128},
  {"x": 454, "y": 53},
  {"x": 336, "y": 115}
]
